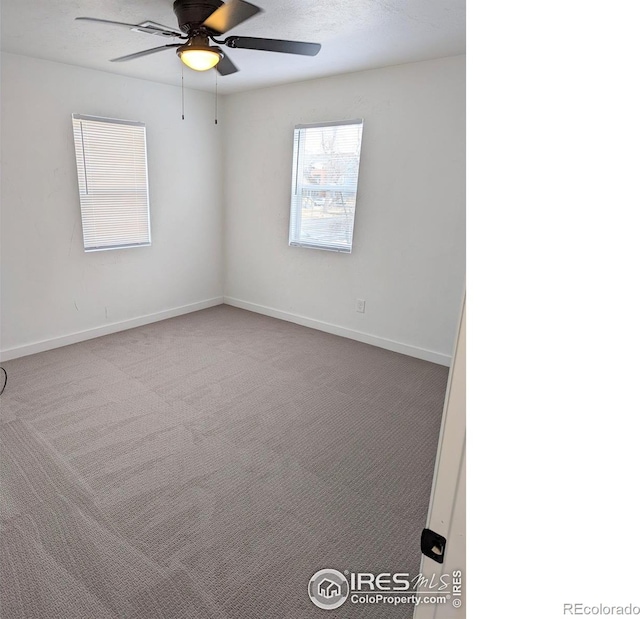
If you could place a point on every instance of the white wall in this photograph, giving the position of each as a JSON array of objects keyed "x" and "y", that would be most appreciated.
[
  {"x": 408, "y": 248},
  {"x": 52, "y": 290},
  {"x": 408, "y": 256}
]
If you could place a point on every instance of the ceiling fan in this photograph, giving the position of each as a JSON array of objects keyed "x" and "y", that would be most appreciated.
[{"x": 200, "y": 22}]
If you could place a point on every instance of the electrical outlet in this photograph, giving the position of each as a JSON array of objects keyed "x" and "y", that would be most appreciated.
[{"x": 360, "y": 305}]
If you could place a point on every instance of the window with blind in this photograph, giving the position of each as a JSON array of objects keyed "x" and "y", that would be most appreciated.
[
  {"x": 326, "y": 160},
  {"x": 111, "y": 157}
]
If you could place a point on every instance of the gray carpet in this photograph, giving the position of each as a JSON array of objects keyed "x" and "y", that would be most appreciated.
[{"x": 207, "y": 466}]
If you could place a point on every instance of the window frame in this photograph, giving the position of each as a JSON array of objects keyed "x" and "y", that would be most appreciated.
[
  {"x": 295, "y": 215},
  {"x": 83, "y": 177}
]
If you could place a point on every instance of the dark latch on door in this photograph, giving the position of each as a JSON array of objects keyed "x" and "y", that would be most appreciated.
[{"x": 433, "y": 545}]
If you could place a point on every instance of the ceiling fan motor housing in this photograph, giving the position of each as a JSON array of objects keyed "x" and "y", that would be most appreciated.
[{"x": 191, "y": 13}]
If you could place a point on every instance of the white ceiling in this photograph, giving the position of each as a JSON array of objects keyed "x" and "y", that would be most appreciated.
[{"x": 355, "y": 35}]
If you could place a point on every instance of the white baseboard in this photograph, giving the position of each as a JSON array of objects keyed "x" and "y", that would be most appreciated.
[
  {"x": 114, "y": 327},
  {"x": 367, "y": 338}
]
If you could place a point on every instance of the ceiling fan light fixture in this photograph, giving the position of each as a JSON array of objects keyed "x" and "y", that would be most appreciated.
[
  {"x": 199, "y": 57},
  {"x": 200, "y": 22}
]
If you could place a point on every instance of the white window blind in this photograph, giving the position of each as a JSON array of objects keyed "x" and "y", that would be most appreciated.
[
  {"x": 326, "y": 160},
  {"x": 111, "y": 157}
]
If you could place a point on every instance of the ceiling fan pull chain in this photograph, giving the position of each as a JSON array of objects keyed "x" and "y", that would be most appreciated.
[
  {"x": 182, "y": 82},
  {"x": 216, "y": 98}
]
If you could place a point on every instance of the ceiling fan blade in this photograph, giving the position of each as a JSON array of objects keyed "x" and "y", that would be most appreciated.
[
  {"x": 229, "y": 15},
  {"x": 225, "y": 66},
  {"x": 146, "y": 52},
  {"x": 274, "y": 45},
  {"x": 150, "y": 29}
]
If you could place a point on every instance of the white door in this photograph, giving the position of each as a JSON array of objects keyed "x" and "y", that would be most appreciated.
[{"x": 447, "y": 505}]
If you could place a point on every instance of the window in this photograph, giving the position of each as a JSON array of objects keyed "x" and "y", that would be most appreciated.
[
  {"x": 111, "y": 156},
  {"x": 326, "y": 159}
]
